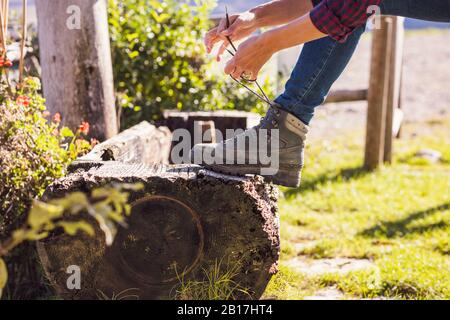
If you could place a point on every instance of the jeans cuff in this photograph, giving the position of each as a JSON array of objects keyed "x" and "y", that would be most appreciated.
[{"x": 302, "y": 112}]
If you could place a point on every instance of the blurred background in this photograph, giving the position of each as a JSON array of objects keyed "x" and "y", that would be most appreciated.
[{"x": 425, "y": 46}]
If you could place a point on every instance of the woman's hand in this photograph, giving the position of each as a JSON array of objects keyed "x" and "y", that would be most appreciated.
[
  {"x": 241, "y": 26},
  {"x": 256, "y": 51},
  {"x": 251, "y": 56}
]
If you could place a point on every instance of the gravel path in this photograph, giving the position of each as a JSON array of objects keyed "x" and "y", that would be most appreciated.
[{"x": 426, "y": 83}]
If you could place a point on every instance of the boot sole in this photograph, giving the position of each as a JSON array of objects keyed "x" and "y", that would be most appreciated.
[{"x": 286, "y": 176}]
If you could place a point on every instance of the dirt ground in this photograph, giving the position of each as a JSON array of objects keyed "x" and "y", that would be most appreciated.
[{"x": 426, "y": 83}]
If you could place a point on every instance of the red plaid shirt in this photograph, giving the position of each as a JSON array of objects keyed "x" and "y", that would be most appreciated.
[{"x": 338, "y": 18}]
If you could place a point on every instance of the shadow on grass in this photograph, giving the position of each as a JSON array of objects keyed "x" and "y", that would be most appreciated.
[
  {"x": 399, "y": 228},
  {"x": 313, "y": 184}
]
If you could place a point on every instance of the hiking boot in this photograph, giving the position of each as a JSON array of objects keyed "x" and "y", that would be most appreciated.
[{"x": 284, "y": 139}]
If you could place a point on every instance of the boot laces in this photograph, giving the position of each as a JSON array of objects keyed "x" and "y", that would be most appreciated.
[{"x": 271, "y": 118}]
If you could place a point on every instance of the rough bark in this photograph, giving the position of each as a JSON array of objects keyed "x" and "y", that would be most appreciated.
[
  {"x": 76, "y": 63},
  {"x": 185, "y": 221}
]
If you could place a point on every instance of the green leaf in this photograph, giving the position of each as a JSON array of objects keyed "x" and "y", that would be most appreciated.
[
  {"x": 71, "y": 228},
  {"x": 42, "y": 213},
  {"x": 31, "y": 236},
  {"x": 133, "y": 54},
  {"x": 73, "y": 203},
  {"x": 66, "y": 132},
  {"x": 3, "y": 275},
  {"x": 132, "y": 36},
  {"x": 155, "y": 4}
]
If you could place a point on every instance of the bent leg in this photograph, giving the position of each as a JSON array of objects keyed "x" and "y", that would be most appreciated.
[{"x": 320, "y": 64}]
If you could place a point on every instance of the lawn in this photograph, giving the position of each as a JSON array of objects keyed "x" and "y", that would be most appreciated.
[{"x": 396, "y": 220}]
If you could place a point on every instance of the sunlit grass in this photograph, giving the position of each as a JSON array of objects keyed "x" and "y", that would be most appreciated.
[
  {"x": 397, "y": 216},
  {"x": 218, "y": 284}
]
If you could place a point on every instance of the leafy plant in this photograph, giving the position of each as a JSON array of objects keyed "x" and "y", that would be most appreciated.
[
  {"x": 160, "y": 62},
  {"x": 33, "y": 151},
  {"x": 108, "y": 205}
]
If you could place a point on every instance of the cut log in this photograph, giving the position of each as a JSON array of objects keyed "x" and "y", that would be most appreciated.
[
  {"x": 143, "y": 143},
  {"x": 186, "y": 221},
  {"x": 75, "y": 57}
]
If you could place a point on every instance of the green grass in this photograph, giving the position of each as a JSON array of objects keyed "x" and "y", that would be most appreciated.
[
  {"x": 218, "y": 284},
  {"x": 397, "y": 216}
]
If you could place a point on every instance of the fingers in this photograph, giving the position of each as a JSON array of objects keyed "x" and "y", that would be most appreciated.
[
  {"x": 211, "y": 39},
  {"x": 222, "y": 26},
  {"x": 237, "y": 73},
  {"x": 230, "y": 67},
  {"x": 238, "y": 29},
  {"x": 217, "y": 34},
  {"x": 233, "y": 69},
  {"x": 234, "y": 28}
]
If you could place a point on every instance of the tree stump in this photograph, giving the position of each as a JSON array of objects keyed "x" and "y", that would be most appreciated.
[{"x": 185, "y": 221}]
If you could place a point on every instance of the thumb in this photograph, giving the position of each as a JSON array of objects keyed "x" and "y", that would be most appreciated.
[
  {"x": 222, "y": 49},
  {"x": 230, "y": 66}
]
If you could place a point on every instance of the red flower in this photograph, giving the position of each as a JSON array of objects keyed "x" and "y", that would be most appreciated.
[
  {"x": 84, "y": 128},
  {"x": 57, "y": 117},
  {"x": 23, "y": 101},
  {"x": 8, "y": 63}
]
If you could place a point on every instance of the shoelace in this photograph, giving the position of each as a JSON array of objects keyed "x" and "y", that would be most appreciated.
[
  {"x": 263, "y": 96},
  {"x": 269, "y": 118}
]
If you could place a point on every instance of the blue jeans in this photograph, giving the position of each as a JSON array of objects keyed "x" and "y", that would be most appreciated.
[{"x": 321, "y": 62}]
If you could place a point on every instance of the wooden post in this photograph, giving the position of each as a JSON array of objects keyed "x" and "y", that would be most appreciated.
[
  {"x": 396, "y": 39},
  {"x": 346, "y": 96},
  {"x": 400, "y": 101},
  {"x": 76, "y": 63},
  {"x": 378, "y": 94}
]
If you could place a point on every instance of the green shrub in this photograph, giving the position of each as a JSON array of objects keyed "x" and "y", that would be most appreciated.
[
  {"x": 33, "y": 151},
  {"x": 160, "y": 62}
]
